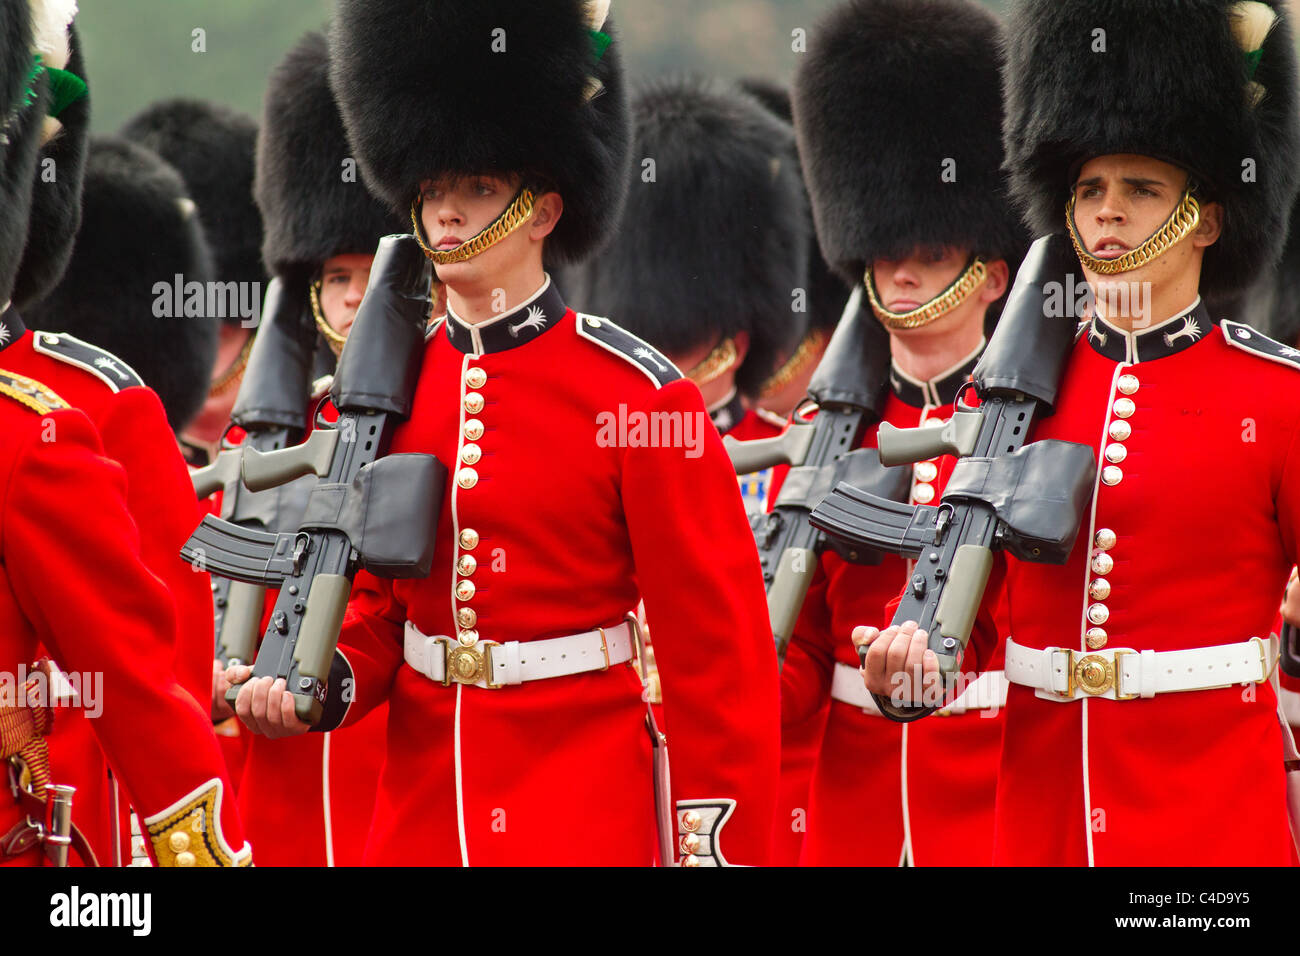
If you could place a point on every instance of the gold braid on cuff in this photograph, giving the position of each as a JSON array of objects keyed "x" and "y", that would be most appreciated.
[
  {"x": 947, "y": 300},
  {"x": 332, "y": 338},
  {"x": 1177, "y": 227},
  {"x": 189, "y": 833},
  {"x": 715, "y": 363},
  {"x": 515, "y": 215}
]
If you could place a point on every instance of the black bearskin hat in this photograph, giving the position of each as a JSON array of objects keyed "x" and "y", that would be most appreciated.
[
  {"x": 827, "y": 293},
  {"x": 716, "y": 241},
  {"x": 898, "y": 109},
  {"x": 1161, "y": 78},
  {"x": 56, "y": 204},
  {"x": 139, "y": 230},
  {"x": 21, "y": 117},
  {"x": 311, "y": 208},
  {"x": 434, "y": 87},
  {"x": 212, "y": 147}
]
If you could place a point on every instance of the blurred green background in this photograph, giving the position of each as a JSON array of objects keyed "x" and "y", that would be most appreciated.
[{"x": 138, "y": 51}]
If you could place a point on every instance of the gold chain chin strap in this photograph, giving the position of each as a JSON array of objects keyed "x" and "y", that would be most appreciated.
[
  {"x": 515, "y": 215},
  {"x": 715, "y": 363},
  {"x": 232, "y": 376},
  {"x": 334, "y": 339},
  {"x": 1180, "y": 224},
  {"x": 966, "y": 283},
  {"x": 796, "y": 363}
]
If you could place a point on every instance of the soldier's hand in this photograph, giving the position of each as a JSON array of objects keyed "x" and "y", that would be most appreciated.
[
  {"x": 264, "y": 705},
  {"x": 221, "y": 709},
  {"x": 899, "y": 665}
]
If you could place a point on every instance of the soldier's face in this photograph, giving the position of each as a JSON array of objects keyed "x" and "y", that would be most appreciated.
[
  {"x": 907, "y": 284},
  {"x": 458, "y": 209},
  {"x": 343, "y": 284}
]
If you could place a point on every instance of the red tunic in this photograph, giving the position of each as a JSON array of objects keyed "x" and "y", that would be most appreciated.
[
  {"x": 881, "y": 791},
  {"x": 1200, "y": 426},
  {"x": 74, "y": 583},
  {"x": 133, "y": 428},
  {"x": 592, "y": 462}
]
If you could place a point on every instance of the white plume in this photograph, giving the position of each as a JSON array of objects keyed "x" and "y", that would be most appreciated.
[
  {"x": 1251, "y": 21},
  {"x": 50, "y": 22},
  {"x": 597, "y": 13}
]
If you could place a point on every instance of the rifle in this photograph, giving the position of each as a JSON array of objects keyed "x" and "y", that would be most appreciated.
[
  {"x": 351, "y": 520},
  {"x": 1027, "y": 499},
  {"x": 850, "y": 389},
  {"x": 272, "y": 411}
]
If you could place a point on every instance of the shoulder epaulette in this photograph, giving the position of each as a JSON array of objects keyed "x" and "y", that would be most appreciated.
[
  {"x": 1249, "y": 340},
  {"x": 628, "y": 347},
  {"x": 29, "y": 392},
  {"x": 105, "y": 366}
]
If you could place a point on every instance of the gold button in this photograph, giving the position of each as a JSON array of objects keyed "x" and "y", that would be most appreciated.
[
  {"x": 1096, "y": 638},
  {"x": 466, "y": 617},
  {"x": 464, "y": 590},
  {"x": 473, "y": 403},
  {"x": 1104, "y": 539},
  {"x": 179, "y": 842},
  {"x": 470, "y": 454},
  {"x": 1124, "y": 407},
  {"x": 466, "y": 565},
  {"x": 473, "y": 429},
  {"x": 468, "y": 539},
  {"x": 926, "y": 471},
  {"x": 1099, "y": 589},
  {"x": 690, "y": 844},
  {"x": 468, "y": 637},
  {"x": 691, "y": 821},
  {"x": 1112, "y": 475},
  {"x": 691, "y": 860},
  {"x": 1116, "y": 452},
  {"x": 185, "y": 859},
  {"x": 1098, "y": 613},
  {"x": 923, "y": 493},
  {"x": 1120, "y": 430},
  {"x": 1128, "y": 384},
  {"x": 593, "y": 323},
  {"x": 1102, "y": 563},
  {"x": 476, "y": 378},
  {"x": 467, "y": 478}
]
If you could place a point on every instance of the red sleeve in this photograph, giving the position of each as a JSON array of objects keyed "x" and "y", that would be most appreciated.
[
  {"x": 74, "y": 568},
  {"x": 370, "y": 651},
  {"x": 810, "y": 658},
  {"x": 699, "y": 576}
]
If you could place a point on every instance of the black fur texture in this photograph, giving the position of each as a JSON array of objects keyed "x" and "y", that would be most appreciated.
[
  {"x": 423, "y": 94},
  {"x": 891, "y": 94},
  {"x": 717, "y": 243},
  {"x": 138, "y": 228},
  {"x": 212, "y": 147},
  {"x": 20, "y": 128},
  {"x": 56, "y": 206},
  {"x": 310, "y": 211},
  {"x": 1171, "y": 84}
]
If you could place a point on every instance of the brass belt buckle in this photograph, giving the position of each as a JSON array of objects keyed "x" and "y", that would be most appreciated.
[
  {"x": 1119, "y": 676},
  {"x": 468, "y": 664},
  {"x": 1093, "y": 674}
]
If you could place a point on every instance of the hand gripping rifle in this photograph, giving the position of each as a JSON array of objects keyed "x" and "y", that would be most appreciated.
[
  {"x": 1026, "y": 499},
  {"x": 368, "y": 510},
  {"x": 849, "y": 387},
  {"x": 272, "y": 411}
]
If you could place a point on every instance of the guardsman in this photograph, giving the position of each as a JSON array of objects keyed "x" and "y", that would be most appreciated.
[
  {"x": 517, "y": 730},
  {"x": 911, "y": 204},
  {"x": 718, "y": 301},
  {"x": 1141, "y": 723},
  {"x": 75, "y": 583},
  {"x": 212, "y": 147},
  {"x": 307, "y": 801}
]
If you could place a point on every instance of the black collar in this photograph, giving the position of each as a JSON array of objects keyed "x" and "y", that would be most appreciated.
[
  {"x": 728, "y": 414},
  {"x": 11, "y": 328},
  {"x": 1145, "y": 345},
  {"x": 542, "y": 311},
  {"x": 940, "y": 390}
]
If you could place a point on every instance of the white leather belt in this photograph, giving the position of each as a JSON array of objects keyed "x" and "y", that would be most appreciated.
[
  {"x": 492, "y": 665},
  {"x": 988, "y": 691},
  {"x": 1120, "y": 673}
]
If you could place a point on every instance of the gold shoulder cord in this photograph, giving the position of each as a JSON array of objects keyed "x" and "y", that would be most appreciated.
[
  {"x": 514, "y": 216},
  {"x": 332, "y": 338},
  {"x": 27, "y": 391},
  {"x": 715, "y": 363},
  {"x": 1180, "y": 224},
  {"x": 966, "y": 283}
]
